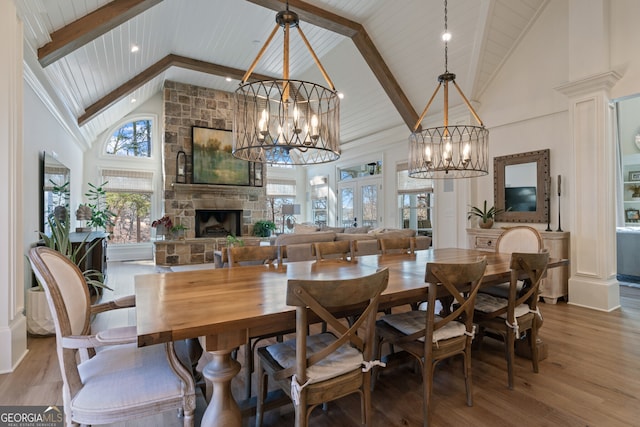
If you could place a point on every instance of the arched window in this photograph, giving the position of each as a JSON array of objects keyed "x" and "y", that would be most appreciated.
[{"x": 132, "y": 139}]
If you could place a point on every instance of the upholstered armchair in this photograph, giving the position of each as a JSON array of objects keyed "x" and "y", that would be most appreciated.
[{"x": 106, "y": 377}]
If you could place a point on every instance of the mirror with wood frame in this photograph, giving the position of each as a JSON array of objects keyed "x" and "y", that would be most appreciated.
[{"x": 521, "y": 184}]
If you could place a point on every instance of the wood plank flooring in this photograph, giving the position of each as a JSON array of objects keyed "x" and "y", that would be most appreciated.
[{"x": 590, "y": 378}]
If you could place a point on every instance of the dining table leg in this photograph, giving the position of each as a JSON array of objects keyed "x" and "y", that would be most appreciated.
[{"x": 222, "y": 409}]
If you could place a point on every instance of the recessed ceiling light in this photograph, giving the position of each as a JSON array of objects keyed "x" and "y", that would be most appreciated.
[
  {"x": 228, "y": 79},
  {"x": 134, "y": 48},
  {"x": 133, "y": 100},
  {"x": 340, "y": 95}
]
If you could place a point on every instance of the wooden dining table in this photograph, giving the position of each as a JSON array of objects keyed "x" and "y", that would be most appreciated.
[{"x": 225, "y": 307}]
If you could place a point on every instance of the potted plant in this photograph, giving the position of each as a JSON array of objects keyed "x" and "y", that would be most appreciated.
[
  {"x": 162, "y": 225},
  {"x": 177, "y": 231},
  {"x": 39, "y": 318},
  {"x": 234, "y": 241},
  {"x": 485, "y": 216},
  {"x": 101, "y": 216},
  {"x": 263, "y": 228}
]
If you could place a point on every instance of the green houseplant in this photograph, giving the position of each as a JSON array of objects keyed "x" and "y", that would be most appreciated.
[
  {"x": 39, "y": 318},
  {"x": 101, "y": 216},
  {"x": 263, "y": 228},
  {"x": 485, "y": 216}
]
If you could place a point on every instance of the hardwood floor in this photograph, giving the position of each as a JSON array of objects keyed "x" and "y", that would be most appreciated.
[{"x": 590, "y": 378}]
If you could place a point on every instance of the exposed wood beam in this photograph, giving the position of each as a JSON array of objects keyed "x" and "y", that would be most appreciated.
[
  {"x": 90, "y": 27},
  {"x": 338, "y": 24},
  {"x": 165, "y": 63}
]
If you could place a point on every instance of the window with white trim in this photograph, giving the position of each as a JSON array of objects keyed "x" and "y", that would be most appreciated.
[
  {"x": 133, "y": 139},
  {"x": 280, "y": 192},
  {"x": 128, "y": 195},
  {"x": 415, "y": 201}
]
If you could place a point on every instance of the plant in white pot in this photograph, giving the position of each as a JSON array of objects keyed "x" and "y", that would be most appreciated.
[
  {"x": 485, "y": 216},
  {"x": 39, "y": 319}
]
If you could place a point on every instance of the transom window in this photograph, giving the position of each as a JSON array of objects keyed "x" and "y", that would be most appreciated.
[{"x": 132, "y": 139}]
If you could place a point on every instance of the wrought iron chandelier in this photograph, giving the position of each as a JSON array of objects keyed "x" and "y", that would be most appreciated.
[
  {"x": 460, "y": 151},
  {"x": 287, "y": 122}
]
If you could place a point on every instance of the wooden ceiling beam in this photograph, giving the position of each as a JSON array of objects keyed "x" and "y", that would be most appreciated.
[
  {"x": 90, "y": 27},
  {"x": 153, "y": 71},
  {"x": 338, "y": 24}
]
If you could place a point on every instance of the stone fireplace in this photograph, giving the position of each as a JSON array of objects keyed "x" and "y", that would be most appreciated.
[
  {"x": 186, "y": 106},
  {"x": 218, "y": 222}
]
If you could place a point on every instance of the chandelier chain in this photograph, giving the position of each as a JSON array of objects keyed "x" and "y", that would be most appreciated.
[{"x": 446, "y": 42}]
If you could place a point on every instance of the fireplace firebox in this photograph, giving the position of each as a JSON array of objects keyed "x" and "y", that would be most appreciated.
[{"x": 218, "y": 222}]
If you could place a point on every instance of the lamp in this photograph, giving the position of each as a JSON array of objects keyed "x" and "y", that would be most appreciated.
[
  {"x": 460, "y": 151},
  {"x": 287, "y": 213},
  {"x": 286, "y": 122}
]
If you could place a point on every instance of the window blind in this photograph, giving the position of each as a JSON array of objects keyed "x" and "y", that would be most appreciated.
[
  {"x": 407, "y": 184},
  {"x": 127, "y": 181},
  {"x": 281, "y": 187}
]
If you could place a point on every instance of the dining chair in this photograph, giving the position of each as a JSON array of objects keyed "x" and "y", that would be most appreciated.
[
  {"x": 314, "y": 369},
  {"x": 253, "y": 255},
  {"x": 248, "y": 255},
  {"x": 521, "y": 238},
  {"x": 431, "y": 338},
  {"x": 509, "y": 317},
  {"x": 396, "y": 245},
  {"x": 106, "y": 377},
  {"x": 341, "y": 250}
]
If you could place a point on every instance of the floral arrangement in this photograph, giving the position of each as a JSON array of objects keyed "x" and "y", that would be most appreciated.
[{"x": 165, "y": 220}]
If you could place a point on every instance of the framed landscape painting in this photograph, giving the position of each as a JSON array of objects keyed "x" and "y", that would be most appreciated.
[{"x": 212, "y": 159}]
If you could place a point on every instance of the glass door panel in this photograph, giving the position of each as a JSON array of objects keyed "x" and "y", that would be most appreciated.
[
  {"x": 346, "y": 206},
  {"x": 369, "y": 203}
]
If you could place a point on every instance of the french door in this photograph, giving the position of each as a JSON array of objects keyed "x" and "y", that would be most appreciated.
[{"x": 358, "y": 202}]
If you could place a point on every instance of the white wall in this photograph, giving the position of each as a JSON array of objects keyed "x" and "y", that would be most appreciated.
[{"x": 43, "y": 132}]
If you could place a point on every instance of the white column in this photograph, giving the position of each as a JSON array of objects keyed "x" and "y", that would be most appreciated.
[
  {"x": 591, "y": 189},
  {"x": 12, "y": 321}
]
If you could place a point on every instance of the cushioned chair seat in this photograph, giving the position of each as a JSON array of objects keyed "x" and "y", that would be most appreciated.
[
  {"x": 343, "y": 360},
  {"x": 413, "y": 321},
  {"x": 486, "y": 303},
  {"x": 114, "y": 380}
]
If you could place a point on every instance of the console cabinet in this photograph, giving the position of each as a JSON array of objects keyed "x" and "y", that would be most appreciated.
[
  {"x": 556, "y": 284},
  {"x": 96, "y": 243}
]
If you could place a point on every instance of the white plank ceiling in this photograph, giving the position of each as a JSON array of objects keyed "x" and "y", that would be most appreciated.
[{"x": 231, "y": 32}]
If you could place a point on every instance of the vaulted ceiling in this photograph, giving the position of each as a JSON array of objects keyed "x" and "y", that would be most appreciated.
[{"x": 384, "y": 56}]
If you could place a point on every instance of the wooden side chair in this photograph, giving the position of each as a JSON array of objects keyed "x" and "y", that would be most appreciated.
[
  {"x": 509, "y": 317},
  {"x": 120, "y": 381},
  {"x": 247, "y": 255},
  {"x": 395, "y": 245},
  {"x": 254, "y": 255},
  {"x": 319, "y": 368},
  {"x": 430, "y": 338},
  {"x": 341, "y": 250}
]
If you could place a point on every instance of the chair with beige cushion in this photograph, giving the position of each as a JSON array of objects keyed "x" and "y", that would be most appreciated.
[
  {"x": 430, "y": 338},
  {"x": 341, "y": 250},
  {"x": 106, "y": 377},
  {"x": 510, "y": 317},
  {"x": 319, "y": 368},
  {"x": 521, "y": 238}
]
